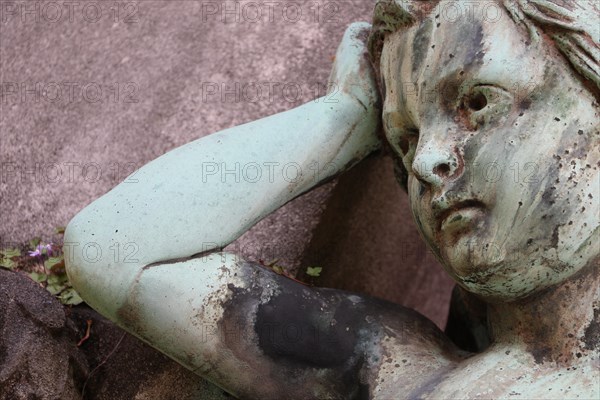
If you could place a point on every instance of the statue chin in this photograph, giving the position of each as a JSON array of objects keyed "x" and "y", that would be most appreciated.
[{"x": 500, "y": 276}]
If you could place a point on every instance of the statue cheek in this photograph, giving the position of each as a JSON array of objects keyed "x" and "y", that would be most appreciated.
[{"x": 420, "y": 210}]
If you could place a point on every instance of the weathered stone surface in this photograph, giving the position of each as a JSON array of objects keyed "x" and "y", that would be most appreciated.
[
  {"x": 124, "y": 368},
  {"x": 39, "y": 357},
  {"x": 38, "y": 354},
  {"x": 493, "y": 236}
]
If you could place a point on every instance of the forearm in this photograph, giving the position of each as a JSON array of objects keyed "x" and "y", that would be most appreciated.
[
  {"x": 207, "y": 193},
  {"x": 185, "y": 201},
  {"x": 215, "y": 188}
]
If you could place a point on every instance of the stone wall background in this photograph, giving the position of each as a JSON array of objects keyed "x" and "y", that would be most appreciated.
[{"x": 133, "y": 84}]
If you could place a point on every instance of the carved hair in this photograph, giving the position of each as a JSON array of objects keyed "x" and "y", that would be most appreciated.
[{"x": 571, "y": 24}]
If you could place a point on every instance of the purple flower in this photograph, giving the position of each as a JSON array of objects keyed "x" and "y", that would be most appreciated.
[
  {"x": 39, "y": 250},
  {"x": 35, "y": 253}
]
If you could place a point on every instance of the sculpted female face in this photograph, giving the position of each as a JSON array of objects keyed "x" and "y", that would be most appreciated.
[{"x": 501, "y": 142}]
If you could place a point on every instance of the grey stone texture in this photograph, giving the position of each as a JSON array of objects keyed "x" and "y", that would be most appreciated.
[
  {"x": 39, "y": 357},
  {"x": 124, "y": 368},
  {"x": 38, "y": 354}
]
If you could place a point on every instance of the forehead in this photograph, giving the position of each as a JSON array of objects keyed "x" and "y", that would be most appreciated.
[{"x": 466, "y": 47}]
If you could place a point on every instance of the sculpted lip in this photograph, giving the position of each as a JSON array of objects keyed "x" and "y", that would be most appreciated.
[{"x": 443, "y": 214}]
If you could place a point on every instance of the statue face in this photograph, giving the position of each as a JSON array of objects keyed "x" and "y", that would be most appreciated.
[{"x": 501, "y": 141}]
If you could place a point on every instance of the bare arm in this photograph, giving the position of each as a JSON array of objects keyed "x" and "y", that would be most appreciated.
[{"x": 185, "y": 202}]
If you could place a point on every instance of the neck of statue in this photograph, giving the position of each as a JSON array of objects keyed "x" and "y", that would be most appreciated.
[{"x": 561, "y": 325}]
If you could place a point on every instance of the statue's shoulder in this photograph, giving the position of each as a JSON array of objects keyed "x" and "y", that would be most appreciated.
[
  {"x": 387, "y": 350},
  {"x": 407, "y": 352},
  {"x": 508, "y": 371}
]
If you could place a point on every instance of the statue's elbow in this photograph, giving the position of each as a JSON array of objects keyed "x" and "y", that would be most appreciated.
[
  {"x": 91, "y": 266},
  {"x": 73, "y": 264}
]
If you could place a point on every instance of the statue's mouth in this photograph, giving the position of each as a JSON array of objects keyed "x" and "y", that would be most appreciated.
[{"x": 459, "y": 215}]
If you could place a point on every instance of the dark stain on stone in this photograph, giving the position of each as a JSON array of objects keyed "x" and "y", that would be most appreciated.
[
  {"x": 128, "y": 314},
  {"x": 525, "y": 104},
  {"x": 540, "y": 353},
  {"x": 293, "y": 325},
  {"x": 364, "y": 392},
  {"x": 475, "y": 48},
  {"x": 298, "y": 328},
  {"x": 591, "y": 335},
  {"x": 421, "y": 44},
  {"x": 363, "y": 35},
  {"x": 449, "y": 90},
  {"x": 554, "y": 241}
]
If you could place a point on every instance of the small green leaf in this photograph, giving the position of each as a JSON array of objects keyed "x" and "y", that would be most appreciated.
[
  {"x": 38, "y": 277},
  {"x": 314, "y": 271},
  {"x": 60, "y": 230},
  {"x": 7, "y": 257},
  {"x": 55, "y": 288},
  {"x": 10, "y": 253},
  {"x": 57, "y": 279},
  {"x": 53, "y": 262},
  {"x": 34, "y": 242},
  {"x": 277, "y": 269},
  {"x": 7, "y": 263},
  {"x": 70, "y": 297}
]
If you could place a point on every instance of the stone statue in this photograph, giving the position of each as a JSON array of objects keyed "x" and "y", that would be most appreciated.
[{"x": 461, "y": 100}]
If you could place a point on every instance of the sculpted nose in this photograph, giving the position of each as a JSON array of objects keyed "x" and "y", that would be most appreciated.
[{"x": 434, "y": 163}]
